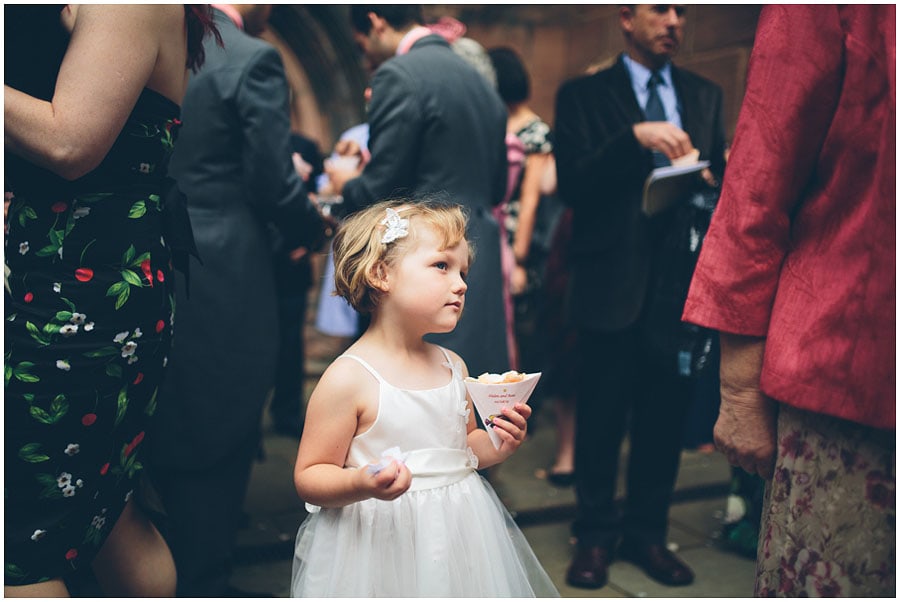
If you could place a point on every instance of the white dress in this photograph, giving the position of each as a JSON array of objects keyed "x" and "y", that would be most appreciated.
[{"x": 447, "y": 536}]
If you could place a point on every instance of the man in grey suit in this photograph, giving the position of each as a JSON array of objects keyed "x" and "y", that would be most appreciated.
[
  {"x": 436, "y": 127},
  {"x": 233, "y": 163}
]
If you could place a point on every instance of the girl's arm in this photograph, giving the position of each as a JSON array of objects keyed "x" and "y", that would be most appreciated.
[
  {"x": 332, "y": 419},
  {"x": 110, "y": 58},
  {"x": 511, "y": 431}
]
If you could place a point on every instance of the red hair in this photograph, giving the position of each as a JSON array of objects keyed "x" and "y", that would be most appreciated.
[{"x": 199, "y": 22}]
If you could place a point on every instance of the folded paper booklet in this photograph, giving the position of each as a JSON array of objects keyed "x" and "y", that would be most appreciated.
[
  {"x": 490, "y": 398},
  {"x": 667, "y": 185}
]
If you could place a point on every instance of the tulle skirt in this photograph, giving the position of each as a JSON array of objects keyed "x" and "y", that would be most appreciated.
[{"x": 452, "y": 541}]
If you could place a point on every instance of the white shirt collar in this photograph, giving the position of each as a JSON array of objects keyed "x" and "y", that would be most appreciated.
[{"x": 640, "y": 74}]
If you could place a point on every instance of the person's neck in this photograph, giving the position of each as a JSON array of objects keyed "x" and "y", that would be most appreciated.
[
  {"x": 409, "y": 36},
  {"x": 407, "y": 29},
  {"x": 650, "y": 61},
  {"x": 519, "y": 115},
  {"x": 392, "y": 336},
  {"x": 392, "y": 40}
]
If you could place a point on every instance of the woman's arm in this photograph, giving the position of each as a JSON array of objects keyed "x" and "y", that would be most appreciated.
[
  {"x": 529, "y": 199},
  {"x": 332, "y": 419},
  {"x": 111, "y": 56},
  {"x": 746, "y": 428}
]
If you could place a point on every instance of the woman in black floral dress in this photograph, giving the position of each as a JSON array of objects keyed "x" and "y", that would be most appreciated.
[{"x": 90, "y": 124}]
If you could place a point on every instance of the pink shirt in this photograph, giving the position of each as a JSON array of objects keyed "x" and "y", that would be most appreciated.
[
  {"x": 232, "y": 14},
  {"x": 412, "y": 36},
  {"x": 801, "y": 248}
]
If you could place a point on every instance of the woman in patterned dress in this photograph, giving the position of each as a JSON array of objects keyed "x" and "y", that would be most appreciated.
[
  {"x": 90, "y": 119},
  {"x": 532, "y": 217}
]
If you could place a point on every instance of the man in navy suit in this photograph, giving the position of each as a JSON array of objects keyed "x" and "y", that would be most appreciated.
[{"x": 609, "y": 136}]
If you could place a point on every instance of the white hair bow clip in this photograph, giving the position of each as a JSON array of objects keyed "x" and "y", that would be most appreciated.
[{"x": 395, "y": 226}]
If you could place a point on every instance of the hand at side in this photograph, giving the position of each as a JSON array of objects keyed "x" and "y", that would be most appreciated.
[{"x": 746, "y": 429}]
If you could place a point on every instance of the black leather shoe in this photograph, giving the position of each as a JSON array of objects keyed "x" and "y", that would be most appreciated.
[
  {"x": 658, "y": 562},
  {"x": 590, "y": 567},
  {"x": 561, "y": 479}
]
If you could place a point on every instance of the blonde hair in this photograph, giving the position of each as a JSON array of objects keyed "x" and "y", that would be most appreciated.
[{"x": 359, "y": 253}]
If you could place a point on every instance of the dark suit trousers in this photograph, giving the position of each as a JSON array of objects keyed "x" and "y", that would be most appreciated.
[
  {"x": 205, "y": 509},
  {"x": 287, "y": 399},
  {"x": 621, "y": 389}
]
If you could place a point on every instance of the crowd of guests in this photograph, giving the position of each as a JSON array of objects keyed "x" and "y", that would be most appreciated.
[{"x": 160, "y": 231}]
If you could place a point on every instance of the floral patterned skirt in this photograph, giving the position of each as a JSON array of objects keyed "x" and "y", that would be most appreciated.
[
  {"x": 829, "y": 514},
  {"x": 88, "y": 326}
]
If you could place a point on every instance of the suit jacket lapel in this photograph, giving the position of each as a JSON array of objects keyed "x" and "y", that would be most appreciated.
[
  {"x": 688, "y": 103},
  {"x": 623, "y": 92}
]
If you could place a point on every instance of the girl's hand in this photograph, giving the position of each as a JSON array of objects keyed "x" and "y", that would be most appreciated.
[
  {"x": 388, "y": 484},
  {"x": 512, "y": 430}
]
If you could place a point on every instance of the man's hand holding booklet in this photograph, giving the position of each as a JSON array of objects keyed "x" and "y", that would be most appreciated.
[{"x": 667, "y": 185}]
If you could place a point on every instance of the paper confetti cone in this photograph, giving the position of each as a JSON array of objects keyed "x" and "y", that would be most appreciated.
[{"x": 489, "y": 399}]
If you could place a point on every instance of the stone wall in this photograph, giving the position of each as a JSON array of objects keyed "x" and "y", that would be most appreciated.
[{"x": 556, "y": 42}]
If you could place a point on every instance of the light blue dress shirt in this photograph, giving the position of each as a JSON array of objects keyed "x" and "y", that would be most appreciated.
[{"x": 640, "y": 75}]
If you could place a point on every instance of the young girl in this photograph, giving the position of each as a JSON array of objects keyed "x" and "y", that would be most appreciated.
[{"x": 387, "y": 462}]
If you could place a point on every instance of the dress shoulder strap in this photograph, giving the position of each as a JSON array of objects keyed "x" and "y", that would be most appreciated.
[
  {"x": 365, "y": 365},
  {"x": 378, "y": 376},
  {"x": 455, "y": 368},
  {"x": 446, "y": 355}
]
